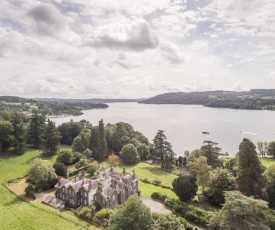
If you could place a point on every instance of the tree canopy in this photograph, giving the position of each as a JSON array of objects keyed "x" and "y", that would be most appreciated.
[
  {"x": 211, "y": 152},
  {"x": 250, "y": 169},
  {"x": 132, "y": 215},
  {"x": 185, "y": 187},
  {"x": 41, "y": 174},
  {"x": 239, "y": 212},
  {"x": 129, "y": 154},
  {"x": 50, "y": 139},
  {"x": 221, "y": 180},
  {"x": 162, "y": 150}
]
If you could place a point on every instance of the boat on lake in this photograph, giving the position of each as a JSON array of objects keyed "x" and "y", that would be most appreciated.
[{"x": 205, "y": 132}]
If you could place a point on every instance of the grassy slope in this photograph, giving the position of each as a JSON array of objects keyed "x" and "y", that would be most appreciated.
[
  {"x": 267, "y": 162},
  {"x": 17, "y": 214}
]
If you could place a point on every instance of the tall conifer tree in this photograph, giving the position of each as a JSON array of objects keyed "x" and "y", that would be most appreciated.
[
  {"x": 51, "y": 139},
  {"x": 249, "y": 177},
  {"x": 19, "y": 133},
  {"x": 35, "y": 130},
  {"x": 101, "y": 152},
  {"x": 162, "y": 152}
]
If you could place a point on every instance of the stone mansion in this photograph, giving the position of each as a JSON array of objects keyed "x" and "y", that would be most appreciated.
[{"x": 108, "y": 189}]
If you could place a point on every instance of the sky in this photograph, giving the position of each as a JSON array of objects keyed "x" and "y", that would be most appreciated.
[{"x": 134, "y": 49}]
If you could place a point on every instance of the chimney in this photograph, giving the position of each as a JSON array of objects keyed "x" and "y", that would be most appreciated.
[
  {"x": 90, "y": 185},
  {"x": 99, "y": 185},
  {"x": 124, "y": 171}
]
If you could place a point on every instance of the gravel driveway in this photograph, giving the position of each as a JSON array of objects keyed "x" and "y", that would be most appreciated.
[{"x": 154, "y": 205}]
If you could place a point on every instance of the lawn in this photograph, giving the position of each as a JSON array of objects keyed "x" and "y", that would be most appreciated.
[
  {"x": 267, "y": 162},
  {"x": 17, "y": 214}
]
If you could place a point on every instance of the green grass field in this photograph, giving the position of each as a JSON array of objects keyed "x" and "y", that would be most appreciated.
[
  {"x": 17, "y": 214},
  {"x": 267, "y": 162}
]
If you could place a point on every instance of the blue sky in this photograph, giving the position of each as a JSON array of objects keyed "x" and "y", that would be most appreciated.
[{"x": 134, "y": 49}]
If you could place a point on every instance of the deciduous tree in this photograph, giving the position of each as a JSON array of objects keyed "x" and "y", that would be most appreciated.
[
  {"x": 129, "y": 154},
  {"x": 6, "y": 137},
  {"x": 220, "y": 181},
  {"x": 239, "y": 212},
  {"x": 132, "y": 215},
  {"x": 113, "y": 159},
  {"x": 271, "y": 149},
  {"x": 41, "y": 174},
  {"x": 201, "y": 170}
]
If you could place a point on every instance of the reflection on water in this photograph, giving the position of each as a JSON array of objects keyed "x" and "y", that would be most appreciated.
[{"x": 184, "y": 124}]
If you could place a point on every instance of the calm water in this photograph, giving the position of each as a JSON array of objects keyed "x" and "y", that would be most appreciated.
[{"x": 183, "y": 124}]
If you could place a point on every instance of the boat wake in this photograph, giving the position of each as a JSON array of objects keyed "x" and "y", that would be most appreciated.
[{"x": 255, "y": 134}]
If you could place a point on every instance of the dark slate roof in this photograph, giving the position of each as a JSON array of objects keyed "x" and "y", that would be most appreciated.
[
  {"x": 52, "y": 201},
  {"x": 61, "y": 181}
]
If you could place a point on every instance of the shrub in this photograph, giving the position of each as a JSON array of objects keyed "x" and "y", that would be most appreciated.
[
  {"x": 145, "y": 180},
  {"x": 60, "y": 169},
  {"x": 30, "y": 191},
  {"x": 83, "y": 162},
  {"x": 104, "y": 213},
  {"x": 76, "y": 157},
  {"x": 85, "y": 213},
  {"x": 159, "y": 196},
  {"x": 156, "y": 182},
  {"x": 183, "y": 222},
  {"x": 65, "y": 157},
  {"x": 92, "y": 168},
  {"x": 169, "y": 201}
]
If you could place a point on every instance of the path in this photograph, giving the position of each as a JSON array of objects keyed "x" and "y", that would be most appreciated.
[{"x": 154, "y": 205}]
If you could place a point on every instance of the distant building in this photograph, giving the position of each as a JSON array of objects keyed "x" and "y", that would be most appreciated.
[{"x": 107, "y": 189}]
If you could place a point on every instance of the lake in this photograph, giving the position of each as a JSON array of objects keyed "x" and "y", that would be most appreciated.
[{"x": 184, "y": 124}]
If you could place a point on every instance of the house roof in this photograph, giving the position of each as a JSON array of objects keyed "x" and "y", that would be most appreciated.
[
  {"x": 52, "y": 201},
  {"x": 110, "y": 181},
  {"x": 61, "y": 181}
]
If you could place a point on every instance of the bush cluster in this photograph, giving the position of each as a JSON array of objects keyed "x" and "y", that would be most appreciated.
[
  {"x": 85, "y": 213},
  {"x": 155, "y": 182},
  {"x": 189, "y": 212}
]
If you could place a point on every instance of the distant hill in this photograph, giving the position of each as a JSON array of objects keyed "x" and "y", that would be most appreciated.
[
  {"x": 47, "y": 107},
  {"x": 92, "y": 100},
  {"x": 255, "y": 99}
]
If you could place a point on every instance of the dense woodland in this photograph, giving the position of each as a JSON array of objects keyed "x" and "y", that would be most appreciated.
[
  {"x": 18, "y": 104},
  {"x": 255, "y": 99},
  {"x": 241, "y": 189}
]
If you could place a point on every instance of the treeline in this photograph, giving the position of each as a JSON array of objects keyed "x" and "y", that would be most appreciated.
[
  {"x": 18, "y": 104},
  {"x": 256, "y": 99}
]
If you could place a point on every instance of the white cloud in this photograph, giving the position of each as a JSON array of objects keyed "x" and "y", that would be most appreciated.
[
  {"x": 134, "y": 49},
  {"x": 134, "y": 36}
]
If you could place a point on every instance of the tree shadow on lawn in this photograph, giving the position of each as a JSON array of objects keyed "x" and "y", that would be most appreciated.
[
  {"x": 156, "y": 171},
  {"x": 14, "y": 201}
]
